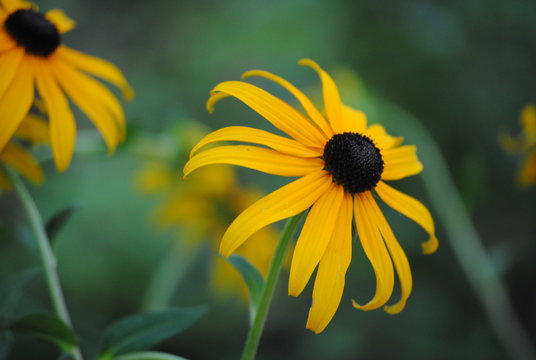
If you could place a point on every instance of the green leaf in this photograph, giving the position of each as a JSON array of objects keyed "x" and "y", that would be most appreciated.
[
  {"x": 253, "y": 279},
  {"x": 47, "y": 327},
  {"x": 139, "y": 332},
  {"x": 59, "y": 219},
  {"x": 11, "y": 291},
  {"x": 148, "y": 355}
]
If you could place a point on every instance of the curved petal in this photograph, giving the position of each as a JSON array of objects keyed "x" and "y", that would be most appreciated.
[
  {"x": 98, "y": 67},
  {"x": 6, "y": 42},
  {"x": 380, "y": 137},
  {"x": 307, "y": 105},
  {"x": 9, "y": 65},
  {"x": 12, "y": 5},
  {"x": 330, "y": 278},
  {"x": 332, "y": 100},
  {"x": 353, "y": 120},
  {"x": 16, "y": 101},
  {"x": 413, "y": 209},
  {"x": 34, "y": 129},
  {"x": 19, "y": 159},
  {"x": 283, "y": 203},
  {"x": 85, "y": 94},
  {"x": 400, "y": 162},
  {"x": 374, "y": 247},
  {"x": 61, "y": 118},
  {"x": 62, "y": 22},
  {"x": 399, "y": 259},
  {"x": 256, "y": 136},
  {"x": 276, "y": 111},
  {"x": 256, "y": 158},
  {"x": 314, "y": 238},
  {"x": 527, "y": 174}
]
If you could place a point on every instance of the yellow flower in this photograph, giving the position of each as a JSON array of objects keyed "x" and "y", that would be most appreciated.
[
  {"x": 33, "y": 58},
  {"x": 33, "y": 129},
  {"x": 341, "y": 162},
  {"x": 526, "y": 144}
]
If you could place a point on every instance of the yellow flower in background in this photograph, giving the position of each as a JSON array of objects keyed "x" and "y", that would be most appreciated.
[
  {"x": 341, "y": 162},
  {"x": 35, "y": 130},
  {"x": 525, "y": 143},
  {"x": 33, "y": 58}
]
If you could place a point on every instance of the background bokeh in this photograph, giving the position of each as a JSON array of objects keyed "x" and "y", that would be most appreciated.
[{"x": 463, "y": 68}]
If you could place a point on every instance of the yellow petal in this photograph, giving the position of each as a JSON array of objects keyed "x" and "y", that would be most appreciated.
[
  {"x": 12, "y": 5},
  {"x": 307, "y": 105},
  {"x": 413, "y": 209},
  {"x": 374, "y": 247},
  {"x": 314, "y": 238},
  {"x": 400, "y": 162},
  {"x": 276, "y": 111},
  {"x": 256, "y": 136},
  {"x": 98, "y": 67},
  {"x": 62, "y": 123},
  {"x": 62, "y": 22},
  {"x": 34, "y": 129},
  {"x": 92, "y": 98},
  {"x": 283, "y": 203},
  {"x": 381, "y": 139},
  {"x": 256, "y": 158},
  {"x": 528, "y": 120},
  {"x": 6, "y": 42},
  {"x": 397, "y": 255},
  {"x": 19, "y": 159},
  {"x": 16, "y": 102},
  {"x": 354, "y": 120},
  {"x": 332, "y": 100},
  {"x": 9, "y": 65},
  {"x": 330, "y": 278},
  {"x": 5, "y": 184},
  {"x": 527, "y": 174}
]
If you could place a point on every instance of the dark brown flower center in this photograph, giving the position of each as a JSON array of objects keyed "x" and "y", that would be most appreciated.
[
  {"x": 353, "y": 161},
  {"x": 33, "y": 31}
]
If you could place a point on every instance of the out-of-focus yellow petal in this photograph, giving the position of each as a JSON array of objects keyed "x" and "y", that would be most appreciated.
[
  {"x": 314, "y": 238},
  {"x": 283, "y": 203},
  {"x": 413, "y": 209},
  {"x": 332, "y": 101},
  {"x": 330, "y": 278},
  {"x": 154, "y": 177},
  {"x": 256, "y": 158},
  {"x": 374, "y": 247},
  {"x": 90, "y": 97},
  {"x": 216, "y": 181},
  {"x": 256, "y": 136},
  {"x": 354, "y": 120},
  {"x": 98, "y": 67},
  {"x": 6, "y": 42},
  {"x": 34, "y": 129},
  {"x": 19, "y": 159},
  {"x": 12, "y": 5},
  {"x": 528, "y": 120},
  {"x": 62, "y": 22},
  {"x": 16, "y": 101},
  {"x": 5, "y": 184},
  {"x": 61, "y": 118},
  {"x": 9, "y": 65},
  {"x": 400, "y": 162},
  {"x": 527, "y": 175},
  {"x": 307, "y": 105},
  {"x": 276, "y": 111},
  {"x": 381, "y": 139}
]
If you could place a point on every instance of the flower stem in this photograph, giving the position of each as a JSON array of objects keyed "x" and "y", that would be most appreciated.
[
  {"x": 47, "y": 256},
  {"x": 254, "y": 335}
]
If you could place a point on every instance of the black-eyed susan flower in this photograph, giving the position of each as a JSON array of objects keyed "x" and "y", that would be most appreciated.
[
  {"x": 343, "y": 164},
  {"x": 525, "y": 144},
  {"x": 32, "y": 58}
]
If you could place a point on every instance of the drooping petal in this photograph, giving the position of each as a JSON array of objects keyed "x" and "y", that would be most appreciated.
[
  {"x": 413, "y": 209},
  {"x": 34, "y": 129},
  {"x": 400, "y": 162},
  {"x": 332, "y": 100},
  {"x": 276, "y": 111},
  {"x": 330, "y": 278},
  {"x": 527, "y": 174},
  {"x": 16, "y": 101},
  {"x": 256, "y": 136},
  {"x": 307, "y": 105},
  {"x": 85, "y": 94},
  {"x": 256, "y": 158},
  {"x": 19, "y": 159},
  {"x": 62, "y": 22},
  {"x": 98, "y": 67},
  {"x": 283, "y": 203},
  {"x": 61, "y": 118},
  {"x": 9, "y": 65},
  {"x": 354, "y": 120},
  {"x": 314, "y": 238},
  {"x": 397, "y": 255},
  {"x": 374, "y": 247}
]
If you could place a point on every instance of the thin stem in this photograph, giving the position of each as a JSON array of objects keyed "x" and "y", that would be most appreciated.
[
  {"x": 47, "y": 256},
  {"x": 255, "y": 331}
]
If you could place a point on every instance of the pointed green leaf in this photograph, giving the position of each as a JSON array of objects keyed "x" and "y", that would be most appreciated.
[
  {"x": 253, "y": 279},
  {"x": 148, "y": 355},
  {"x": 139, "y": 332},
  {"x": 47, "y": 327},
  {"x": 59, "y": 219}
]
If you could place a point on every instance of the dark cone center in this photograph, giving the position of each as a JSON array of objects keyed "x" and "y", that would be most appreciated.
[
  {"x": 353, "y": 161},
  {"x": 33, "y": 31}
]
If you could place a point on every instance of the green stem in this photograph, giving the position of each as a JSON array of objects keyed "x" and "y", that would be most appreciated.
[
  {"x": 255, "y": 331},
  {"x": 47, "y": 256}
]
